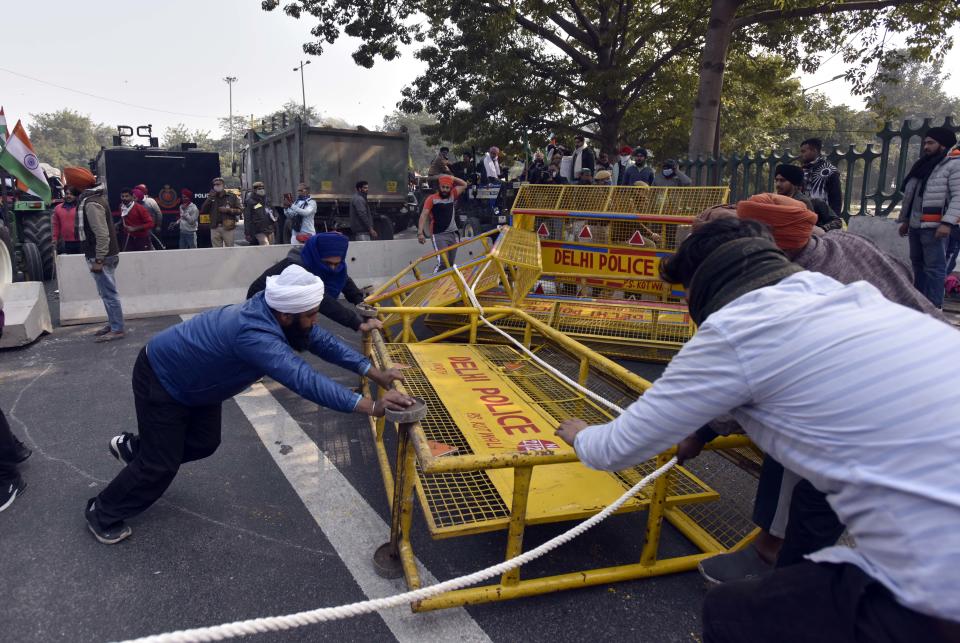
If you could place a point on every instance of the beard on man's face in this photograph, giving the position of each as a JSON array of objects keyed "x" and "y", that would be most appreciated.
[{"x": 297, "y": 336}]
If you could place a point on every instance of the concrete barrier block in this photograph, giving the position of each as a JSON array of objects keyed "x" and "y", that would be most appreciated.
[
  {"x": 883, "y": 232},
  {"x": 26, "y": 311},
  {"x": 174, "y": 282}
]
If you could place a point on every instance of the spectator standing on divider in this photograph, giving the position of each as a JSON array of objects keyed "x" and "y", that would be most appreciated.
[
  {"x": 603, "y": 163},
  {"x": 439, "y": 165},
  {"x": 136, "y": 219},
  {"x": 491, "y": 166},
  {"x": 188, "y": 220},
  {"x": 821, "y": 179},
  {"x": 931, "y": 209},
  {"x": 64, "y": 224},
  {"x": 257, "y": 216},
  {"x": 620, "y": 167},
  {"x": 361, "y": 221},
  {"x": 152, "y": 206},
  {"x": 639, "y": 170},
  {"x": 670, "y": 177},
  {"x": 223, "y": 209},
  {"x": 582, "y": 157},
  {"x": 99, "y": 237}
]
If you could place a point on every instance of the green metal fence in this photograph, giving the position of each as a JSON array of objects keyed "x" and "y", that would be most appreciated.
[{"x": 871, "y": 178}]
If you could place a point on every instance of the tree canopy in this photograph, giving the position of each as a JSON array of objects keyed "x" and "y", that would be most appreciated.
[{"x": 573, "y": 67}]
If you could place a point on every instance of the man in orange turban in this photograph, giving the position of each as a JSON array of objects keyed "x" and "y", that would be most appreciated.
[
  {"x": 79, "y": 177},
  {"x": 788, "y": 219}
]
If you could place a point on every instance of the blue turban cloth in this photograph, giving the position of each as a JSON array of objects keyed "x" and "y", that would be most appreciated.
[{"x": 320, "y": 246}]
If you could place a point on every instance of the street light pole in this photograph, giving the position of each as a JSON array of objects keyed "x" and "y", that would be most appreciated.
[
  {"x": 230, "y": 80},
  {"x": 303, "y": 87}
]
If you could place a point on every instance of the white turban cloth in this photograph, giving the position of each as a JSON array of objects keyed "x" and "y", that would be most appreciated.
[{"x": 294, "y": 291}]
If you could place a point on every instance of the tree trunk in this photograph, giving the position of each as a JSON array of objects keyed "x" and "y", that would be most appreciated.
[
  {"x": 608, "y": 133},
  {"x": 707, "y": 106}
]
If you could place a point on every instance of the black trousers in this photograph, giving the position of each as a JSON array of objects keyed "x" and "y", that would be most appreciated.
[
  {"x": 170, "y": 434},
  {"x": 816, "y": 603},
  {"x": 812, "y": 523},
  {"x": 8, "y": 451}
]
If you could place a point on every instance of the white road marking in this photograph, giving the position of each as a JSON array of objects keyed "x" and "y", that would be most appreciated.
[{"x": 350, "y": 524}]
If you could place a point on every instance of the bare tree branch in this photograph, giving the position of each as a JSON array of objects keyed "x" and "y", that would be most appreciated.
[
  {"x": 582, "y": 19},
  {"x": 764, "y": 17},
  {"x": 547, "y": 34}
]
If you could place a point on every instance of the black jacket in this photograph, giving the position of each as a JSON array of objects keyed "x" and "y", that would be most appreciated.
[{"x": 329, "y": 307}]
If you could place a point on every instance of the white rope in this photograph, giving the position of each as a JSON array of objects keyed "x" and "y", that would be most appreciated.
[
  {"x": 476, "y": 304},
  {"x": 277, "y": 623},
  {"x": 324, "y": 614}
]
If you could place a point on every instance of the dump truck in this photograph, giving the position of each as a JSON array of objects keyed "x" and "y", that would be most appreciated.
[{"x": 332, "y": 161}]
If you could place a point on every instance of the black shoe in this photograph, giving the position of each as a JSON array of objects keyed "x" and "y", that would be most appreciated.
[
  {"x": 122, "y": 447},
  {"x": 21, "y": 452},
  {"x": 9, "y": 490},
  {"x": 109, "y": 535}
]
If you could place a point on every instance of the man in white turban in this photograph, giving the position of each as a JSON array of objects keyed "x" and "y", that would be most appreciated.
[{"x": 184, "y": 374}]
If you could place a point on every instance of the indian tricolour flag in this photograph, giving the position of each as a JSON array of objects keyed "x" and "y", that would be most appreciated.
[
  {"x": 19, "y": 159},
  {"x": 4, "y": 132}
]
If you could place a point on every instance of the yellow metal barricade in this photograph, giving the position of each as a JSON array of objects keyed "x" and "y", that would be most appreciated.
[
  {"x": 613, "y": 237},
  {"x": 484, "y": 457},
  {"x": 506, "y": 259}
]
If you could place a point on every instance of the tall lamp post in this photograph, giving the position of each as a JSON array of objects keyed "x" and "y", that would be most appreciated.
[
  {"x": 303, "y": 87},
  {"x": 230, "y": 80}
]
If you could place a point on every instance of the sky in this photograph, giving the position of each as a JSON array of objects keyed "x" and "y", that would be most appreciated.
[{"x": 172, "y": 56}]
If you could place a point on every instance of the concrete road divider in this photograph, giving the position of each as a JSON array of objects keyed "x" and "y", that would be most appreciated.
[
  {"x": 883, "y": 232},
  {"x": 172, "y": 282},
  {"x": 26, "y": 311}
]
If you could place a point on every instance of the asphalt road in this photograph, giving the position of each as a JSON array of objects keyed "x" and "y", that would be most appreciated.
[{"x": 232, "y": 539}]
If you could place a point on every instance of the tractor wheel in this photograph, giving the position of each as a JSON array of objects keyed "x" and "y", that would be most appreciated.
[
  {"x": 7, "y": 269},
  {"x": 37, "y": 229},
  {"x": 384, "y": 228},
  {"x": 33, "y": 265}
]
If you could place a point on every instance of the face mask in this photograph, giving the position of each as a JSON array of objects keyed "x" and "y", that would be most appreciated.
[
  {"x": 667, "y": 172},
  {"x": 218, "y": 188},
  {"x": 624, "y": 159},
  {"x": 261, "y": 192}
]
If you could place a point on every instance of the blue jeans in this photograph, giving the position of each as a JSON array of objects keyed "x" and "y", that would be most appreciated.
[
  {"x": 953, "y": 249},
  {"x": 188, "y": 239},
  {"x": 107, "y": 289},
  {"x": 929, "y": 258}
]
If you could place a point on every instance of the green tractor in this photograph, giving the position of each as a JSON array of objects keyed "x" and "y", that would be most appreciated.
[{"x": 27, "y": 252}]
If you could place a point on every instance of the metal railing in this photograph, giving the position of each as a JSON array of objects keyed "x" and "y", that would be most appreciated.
[{"x": 871, "y": 178}]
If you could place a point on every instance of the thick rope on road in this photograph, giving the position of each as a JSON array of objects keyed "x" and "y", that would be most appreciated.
[
  {"x": 324, "y": 614},
  {"x": 278, "y": 623}
]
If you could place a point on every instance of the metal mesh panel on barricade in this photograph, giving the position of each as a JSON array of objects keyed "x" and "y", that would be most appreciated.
[
  {"x": 618, "y": 234},
  {"x": 511, "y": 264}
]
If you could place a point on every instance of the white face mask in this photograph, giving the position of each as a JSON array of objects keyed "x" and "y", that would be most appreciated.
[
  {"x": 218, "y": 188},
  {"x": 624, "y": 159},
  {"x": 667, "y": 172},
  {"x": 261, "y": 192}
]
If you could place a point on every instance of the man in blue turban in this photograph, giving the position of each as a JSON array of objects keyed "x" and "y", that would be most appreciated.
[{"x": 324, "y": 255}]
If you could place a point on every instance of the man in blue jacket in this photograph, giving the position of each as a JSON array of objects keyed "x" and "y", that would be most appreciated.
[{"x": 183, "y": 375}]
